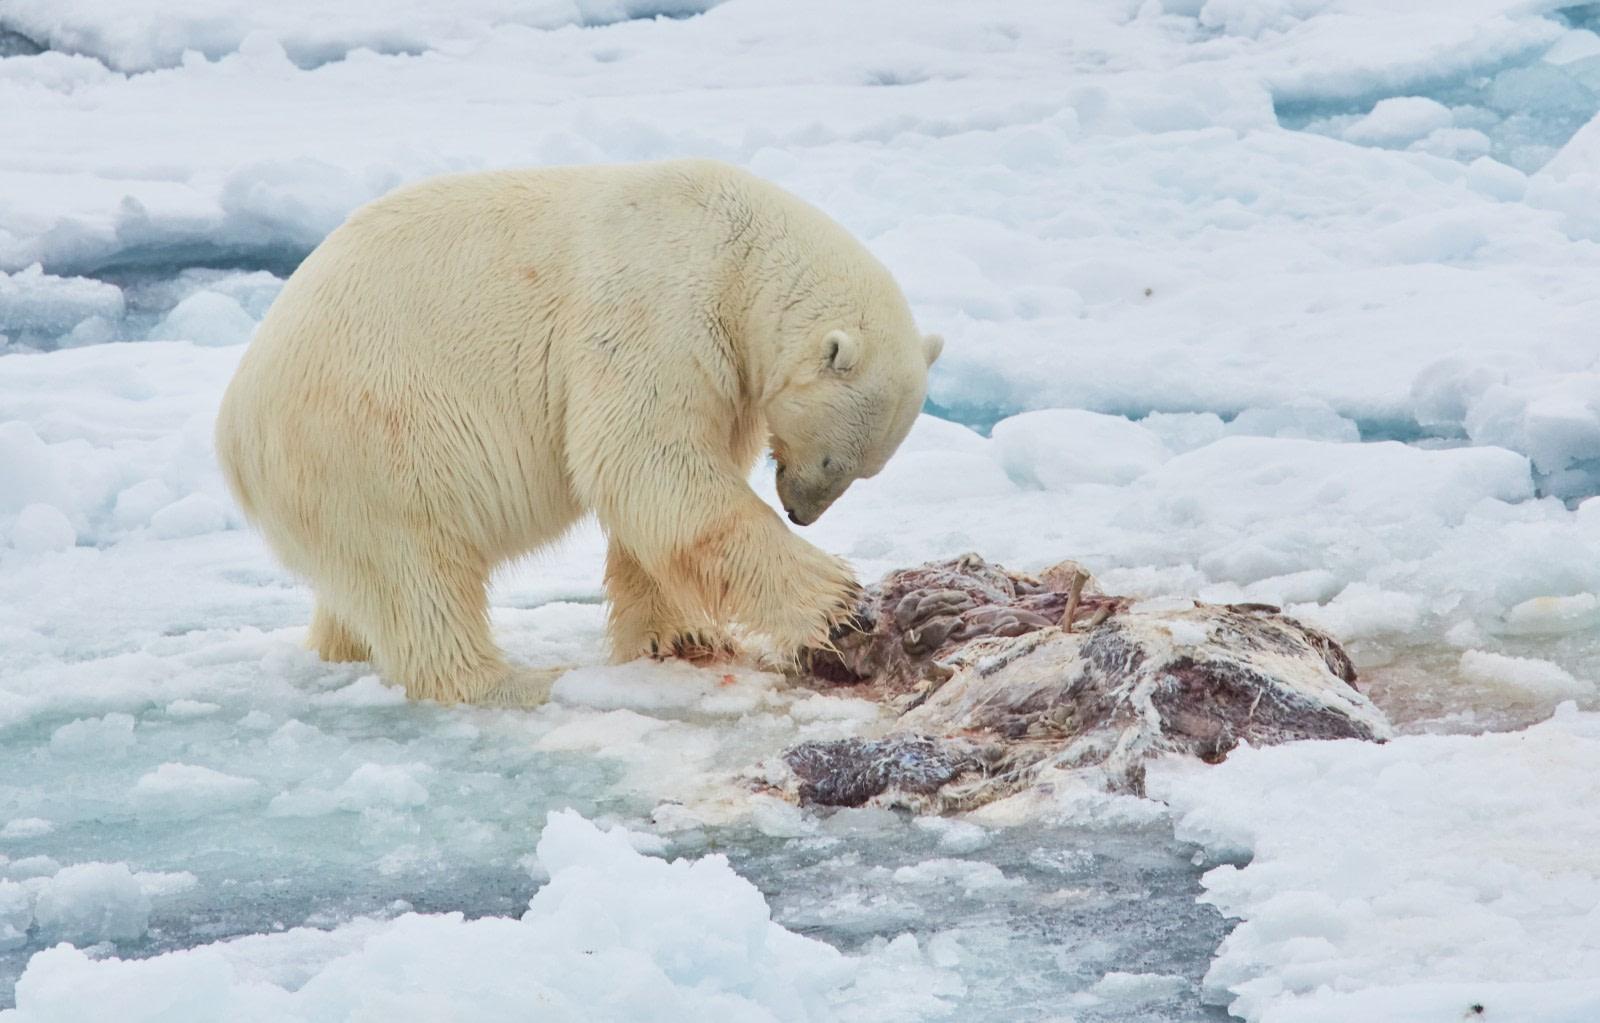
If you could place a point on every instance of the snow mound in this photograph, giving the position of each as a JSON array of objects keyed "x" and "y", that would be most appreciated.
[
  {"x": 614, "y": 935},
  {"x": 1408, "y": 881}
]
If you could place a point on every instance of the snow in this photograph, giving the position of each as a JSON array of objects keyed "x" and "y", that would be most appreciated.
[
  {"x": 1060, "y": 448},
  {"x": 1282, "y": 301},
  {"x": 1406, "y": 881},
  {"x": 42, "y": 527}
]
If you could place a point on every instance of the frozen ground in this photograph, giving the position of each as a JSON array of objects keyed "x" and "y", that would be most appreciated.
[{"x": 1245, "y": 299}]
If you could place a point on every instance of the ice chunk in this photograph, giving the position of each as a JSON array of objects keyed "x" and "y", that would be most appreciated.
[
  {"x": 1185, "y": 431},
  {"x": 26, "y": 827},
  {"x": 610, "y": 730},
  {"x": 396, "y": 785},
  {"x": 39, "y": 307},
  {"x": 33, "y": 475},
  {"x": 1362, "y": 610},
  {"x": 1577, "y": 44},
  {"x": 1455, "y": 144},
  {"x": 190, "y": 516},
  {"x": 42, "y": 527},
  {"x": 955, "y": 835},
  {"x": 1433, "y": 238},
  {"x": 1556, "y": 421},
  {"x": 1058, "y": 449},
  {"x": 369, "y": 787},
  {"x": 87, "y": 738},
  {"x": 969, "y": 875},
  {"x": 33, "y": 867},
  {"x": 189, "y": 709},
  {"x": 1553, "y": 616},
  {"x": 206, "y": 318},
  {"x": 1307, "y": 419},
  {"x": 93, "y": 902},
  {"x": 1129, "y": 990},
  {"x": 1541, "y": 87},
  {"x": 1495, "y": 179},
  {"x": 136, "y": 504},
  {"x": 1530, "y": 675},
  {"x": 1399, "y": 121},
  {"x": 188, "y": 790},
  {"x": 1443, "y": 391},
  {"x": 780, "y": 819},
  {"x": 366, "y": 691},
  {"x": 16, "y": 915},
  {"x": 1372, "y": 481}
]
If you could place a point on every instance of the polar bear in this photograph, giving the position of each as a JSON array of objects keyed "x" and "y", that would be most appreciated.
[{"x": 467, "y": 366}]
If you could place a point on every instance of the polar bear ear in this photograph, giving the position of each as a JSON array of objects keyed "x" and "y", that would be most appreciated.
[
  {"x": 932, "y": 346},
  {"x": 841, "y": 350}
]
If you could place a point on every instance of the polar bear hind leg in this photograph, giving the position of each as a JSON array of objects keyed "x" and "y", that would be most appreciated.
[
  {"x": 420, "y": 600},
  {"x": 333, "y": 640}
]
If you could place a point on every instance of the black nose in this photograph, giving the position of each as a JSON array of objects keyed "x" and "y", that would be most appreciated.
[{"x": 792, "y": 518}]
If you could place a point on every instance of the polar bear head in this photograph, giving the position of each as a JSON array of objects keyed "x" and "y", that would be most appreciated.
[{"x": 848, "y": 402}]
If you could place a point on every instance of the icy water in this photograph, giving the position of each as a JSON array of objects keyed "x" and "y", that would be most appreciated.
[
  {"x": 383, "y": 808},
  {"x": 1058, "y": 906}
]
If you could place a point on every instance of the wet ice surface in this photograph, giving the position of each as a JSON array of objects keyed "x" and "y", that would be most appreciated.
[{"x": 363, "y": 807}]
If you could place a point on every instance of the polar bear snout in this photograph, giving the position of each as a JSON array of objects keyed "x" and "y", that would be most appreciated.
[{"x": 805, "y": 500}]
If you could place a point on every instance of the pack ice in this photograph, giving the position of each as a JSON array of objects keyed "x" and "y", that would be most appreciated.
[{"x": 1246, "y": 302}]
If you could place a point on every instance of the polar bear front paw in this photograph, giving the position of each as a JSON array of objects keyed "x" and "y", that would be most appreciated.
[
  {"x": 822, "y": 606},
  {"x": 698, "y": 646}
]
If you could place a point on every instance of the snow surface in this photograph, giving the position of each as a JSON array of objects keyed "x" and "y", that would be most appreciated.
[
  {"x": 1433, "y": 874},
  {"x": 1244, "y": 300}
]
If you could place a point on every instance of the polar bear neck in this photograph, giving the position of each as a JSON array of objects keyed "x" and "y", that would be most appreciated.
[{"x": 795, "y": 273}]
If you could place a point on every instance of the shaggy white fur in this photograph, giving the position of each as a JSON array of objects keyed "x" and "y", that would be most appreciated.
[{"x": 468, "y": 365}]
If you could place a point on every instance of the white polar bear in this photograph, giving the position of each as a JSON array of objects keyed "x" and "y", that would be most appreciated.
[{"x": 468, "y": 365}]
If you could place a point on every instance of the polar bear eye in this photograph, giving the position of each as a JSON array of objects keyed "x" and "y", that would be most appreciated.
[{"x": 826, "y": 462}]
